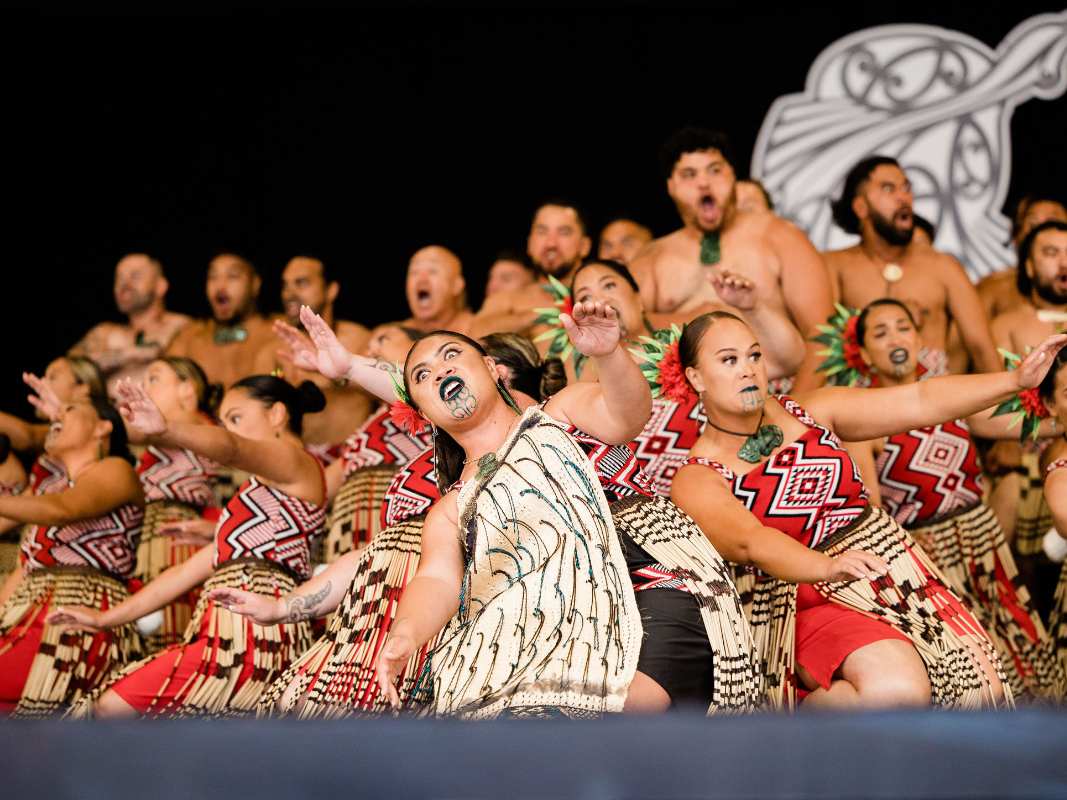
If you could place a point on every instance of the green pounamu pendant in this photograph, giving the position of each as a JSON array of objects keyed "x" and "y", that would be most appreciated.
[
  {"x": 709, "y": 249},
  {"x": 760, "y": 444}
]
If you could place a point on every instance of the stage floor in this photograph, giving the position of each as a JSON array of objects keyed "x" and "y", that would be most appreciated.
[{"x": 934, "y": 754}]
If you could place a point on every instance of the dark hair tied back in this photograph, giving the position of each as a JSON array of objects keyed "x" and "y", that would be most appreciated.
[
  {"x": 118, "y": 442},
  {"x": 306, "y": 398}
]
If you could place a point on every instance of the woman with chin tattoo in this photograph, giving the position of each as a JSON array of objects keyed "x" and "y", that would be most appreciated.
[
  {"x": 848, "y": 610},
  {"x": 930, "y": 481}
]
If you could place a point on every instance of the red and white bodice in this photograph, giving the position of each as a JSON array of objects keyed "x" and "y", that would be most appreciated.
[
  {"x": 107, "y": 543},
  {"x": 414, "y": 488},
  {"x": 809, "y": 489},
  {"x": 263, "y": 522},
  {"x": 177, "y": 475},
  {"x": 928, "y": 473},
  {"x": 668, "y": 436},
  {"x": 380, "y": 441}
]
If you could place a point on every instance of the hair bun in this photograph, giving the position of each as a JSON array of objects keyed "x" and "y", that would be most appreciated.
[
  {"x": 312, "y": 400},
  {"x": 553, "y": 377},
  {"x": 213, "y": 393}
]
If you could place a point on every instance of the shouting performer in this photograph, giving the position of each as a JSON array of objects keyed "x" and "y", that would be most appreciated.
[
  {"x": 305, "y": 281},
  {"x": 78, "y": 547},
  {"x": 436, "y": 291},
  {"x": 930, "y": 481},
  {"x": 262, "y": 544},
  {"x": 124, "y": 350},
  {"x": 856, "y": 606},
  {"x": 876, "y": 205},
  {"x": 717, "y": 237},
  {"x": 226, "y": 345}
]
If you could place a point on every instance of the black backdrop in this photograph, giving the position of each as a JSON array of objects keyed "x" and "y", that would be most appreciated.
[{"x": 362, "y": 137}]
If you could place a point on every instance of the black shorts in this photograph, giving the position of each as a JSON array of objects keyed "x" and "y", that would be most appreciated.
[{"x": 675, "y": 652}]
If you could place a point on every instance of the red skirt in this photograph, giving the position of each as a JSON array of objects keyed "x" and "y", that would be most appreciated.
[{"x": 828, "y": 633}]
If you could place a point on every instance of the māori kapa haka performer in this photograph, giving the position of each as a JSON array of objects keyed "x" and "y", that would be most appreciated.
[
  {"x": 873, "y": 624},
  {"x": 262, "y": 543},
  {"x": 930, "y": 481},
  {"x": 78, "y": 548},
  {"x": 1053, "y": 394}
]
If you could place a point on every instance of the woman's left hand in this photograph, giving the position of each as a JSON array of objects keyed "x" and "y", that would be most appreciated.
[
  {"x": 593, "y": 329},
  {"x": 1033, "y": 368}
]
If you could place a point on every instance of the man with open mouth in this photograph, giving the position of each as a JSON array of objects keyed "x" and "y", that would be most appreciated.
[
  {"x": 675, "y": 271},
  {"x": 876, "y": 205},
  {"x": 307, "y": 281},
  {"x": 226, "y": 345},
  {"x": 436, "y": 291}
]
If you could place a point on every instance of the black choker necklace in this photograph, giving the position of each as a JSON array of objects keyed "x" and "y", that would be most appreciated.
[{"x": 757, "y": 445}]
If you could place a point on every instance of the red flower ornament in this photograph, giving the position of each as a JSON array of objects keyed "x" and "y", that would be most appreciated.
[
  {"x": 672, "y": 378},
  {"x": 406, "y": 417},
  {"x": 1032, "y": 403}
]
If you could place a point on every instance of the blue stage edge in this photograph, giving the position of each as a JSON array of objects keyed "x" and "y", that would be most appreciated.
[{"x": 936, "y": 755}]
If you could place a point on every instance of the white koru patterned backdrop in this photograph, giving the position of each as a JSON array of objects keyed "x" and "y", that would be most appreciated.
[{"x": 937, "y": 100}]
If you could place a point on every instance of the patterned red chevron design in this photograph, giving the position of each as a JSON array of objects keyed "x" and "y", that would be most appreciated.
[
  {"x": 929, "y": 472},
  {"x": 107, "y": 543},
  {"x": 48, "y": 475},
  {"x": 664, "y": 444},
  {"x": 414, "y": 488},
  {"x": 175, "y": 474},
  {"x": 380, "y": 441},
  {"x": 263, "y": 522},
  {"x": 808, "y": 489}
]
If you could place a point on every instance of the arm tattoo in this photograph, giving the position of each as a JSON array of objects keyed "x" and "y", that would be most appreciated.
[
  {"x": 385, "y": 366},
  {"x": 300, "y": 607}
]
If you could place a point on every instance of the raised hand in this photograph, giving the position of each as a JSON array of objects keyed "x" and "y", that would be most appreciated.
[
  {"x": 593, "y": 328},
  {"x": 1033, "y": 368},
  {"x": 332, "y": 359},
  {"x": 298, "y": 350},
  {"x": 257, "y": 607},
  {"x": 81, "y": 617},
  {"x": 733, "y": 289},
  {"x": 856, "y": 565},
  {"x": 138, "y": 410},
  {"x": 42, "y": 397},
  {"x": 394, "y": 655},
  {"x": 196, "y": 532}
]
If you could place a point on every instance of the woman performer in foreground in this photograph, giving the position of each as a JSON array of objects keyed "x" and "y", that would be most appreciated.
[
  {"x": 1054, "y": 461},
  {"x": 79, "y": 548},
  {"x": 788, "y": 499},
  {"x": 930, "y": 482},
  {"x": 262, "y": 544}
]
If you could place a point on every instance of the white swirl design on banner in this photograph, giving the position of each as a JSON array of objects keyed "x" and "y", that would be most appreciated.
[{"x": 937, "y": 100}]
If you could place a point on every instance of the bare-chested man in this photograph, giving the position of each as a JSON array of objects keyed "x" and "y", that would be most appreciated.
[
  {"x": 1042, "y": 289},
  {"x": 509, "y": 272},
  {"x": 717, "y": 237},
  {"x": 305, "y": 282},
  {"x": 622, "y": 239},
  {"x": 437, "y": 292},
  {"x": 124, "y": 350},
  {"x": 876, "y": 204},
  {"x": 226, "y": 346},
  {"x": 558, "y": 241},
  {"x": 998, "y": 291}
]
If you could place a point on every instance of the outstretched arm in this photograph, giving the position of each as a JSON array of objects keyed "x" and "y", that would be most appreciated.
[
  {"x": 743, "y": 539},
  {"x": 276, "y": 460},
  {"x": 104, "y": 486},
  {"x": 431, "y": 598},
  {"x": 615, "y": 408},
  {"x": 857, "y": 414},
  {"x": 168, "y": 587},
  {"x": 315, "y": 598}
]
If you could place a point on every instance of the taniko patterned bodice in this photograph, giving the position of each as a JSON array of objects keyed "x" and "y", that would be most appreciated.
[
  {"x": 414, "y": 488},
  {"x": 107, "y": 543},
  {"x": 668, "y": 436},
  {"x": 263, "y": 522},
  {"x": 174, "y": 474},
  {"x": 379, "y": 441},
  {"x": 810, "y": 488},
  {"x": 930, "y": 472}
]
